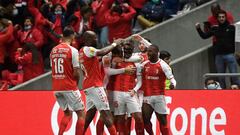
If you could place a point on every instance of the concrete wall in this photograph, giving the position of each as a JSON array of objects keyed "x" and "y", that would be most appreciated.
[
  {"x": 179, "y": 37},
  {"x": 189, "y": 69}
]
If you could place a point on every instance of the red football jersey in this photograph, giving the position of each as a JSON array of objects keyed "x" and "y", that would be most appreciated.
[
  {"x": 91, "y": 67},
  {"x": 63, "y": 59},
  {"x": 123, "y": 82},
  {"x": 144, "y": 56},
  {"x": 154, "y": 76}
]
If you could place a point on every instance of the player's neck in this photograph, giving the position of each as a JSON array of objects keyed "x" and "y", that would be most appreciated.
[
  {"x": 154, "y": 60},
  {"x": 67, "y": 41}
]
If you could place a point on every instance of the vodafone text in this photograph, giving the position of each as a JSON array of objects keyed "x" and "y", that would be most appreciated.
[{"x": 209, "y": 121}]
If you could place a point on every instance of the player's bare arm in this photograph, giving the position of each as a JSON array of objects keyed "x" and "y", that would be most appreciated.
[{"x": 107, "y": 49}]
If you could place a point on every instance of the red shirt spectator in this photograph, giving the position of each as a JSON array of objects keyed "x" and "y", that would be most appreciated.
[
  {"x": 44, "y": 25},
  {"x": 119, "y": 22},
  {"x": 30, "y": 34},
  {"x": 31, "y": 61},
  {"x": 100, "y": 7},
  {"x": 213, "y": 20},
  {"x": 4, "y": 38},
  {"x": 137, "y": 4}
]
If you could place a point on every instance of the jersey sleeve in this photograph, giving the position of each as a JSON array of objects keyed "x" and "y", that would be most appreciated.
[
  {"x": 139, "y": 77},
  {"x": 167, "y": 70},
  {"x": 90, "y": 51},
  {"x": 139, "y": 69},
  {"x": 134, "y": 58},
  {"x": 75, "y": 57}
]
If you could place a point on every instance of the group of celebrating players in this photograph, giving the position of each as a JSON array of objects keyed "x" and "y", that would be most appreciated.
[{"x": 117, "y": 82}]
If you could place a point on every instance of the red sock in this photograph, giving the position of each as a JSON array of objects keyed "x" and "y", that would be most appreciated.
[
  {"x": 148, "y": 128},
  {"x": 64, "y": 122},
  {"x": 80, "y": 127},
  {"x": 139, "y": 127},
  {"x": 128, "y": 126},
  {"x": 121, "y": 127},
  {"x": 112, "y": 130},
  {"x": 100, "y": 127},
  {"x": 164, "y": 130}
]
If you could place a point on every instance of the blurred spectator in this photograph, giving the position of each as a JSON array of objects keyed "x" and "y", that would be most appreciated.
[
  {"x": 151, "y": 13},
  {"x": 6, "y": 30},
  {"x": 224, "y": 47},
  {"x": 31, "y": 61},
  {"x": 211, "y": 21},
  {"x": 211, "y": 83},
  {"x": 30, "y": 34},
  {"x": 57, "y": 17},
  {"x": 137, "y": 5},
  {"x": 100, "y": 7},
  {"x": 170, "y": 8},
  {"x": 119, "y": 21},
  {"x": 166, "y": 56},
  {"x": 13, "y": 79},
  {"x": 234, "y": 87},
  {"x": 81, "y": 21}
]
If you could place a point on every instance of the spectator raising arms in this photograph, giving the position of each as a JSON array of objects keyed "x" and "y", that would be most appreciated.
[
  {"x": 6, "y": 30},
  {"x": 31, "y": 61},
  {"x": 119, "y": 20},
  {"x": 224, "y": 47}
]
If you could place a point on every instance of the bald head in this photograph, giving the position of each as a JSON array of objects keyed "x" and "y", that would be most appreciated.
[
  {"x": 153, "y": 52},
  {"x": 88, "y": 34},
  {"x": 90, "y": 38}
]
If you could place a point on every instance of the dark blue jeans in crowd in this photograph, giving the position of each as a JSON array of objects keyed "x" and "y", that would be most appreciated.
[{"x": 226, "y": 61}]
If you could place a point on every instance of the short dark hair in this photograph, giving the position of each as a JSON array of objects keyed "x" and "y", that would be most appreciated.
[
  {"x": 155, "y": 46},
  {"x": 68, "y": 31},
  {"x": 29, "y": 18},
  {"x": 208, "y": 79},
  {"x": 222, "y": 12},
  {"x": 164, "y": 54},
  {"x": 86, "y": 9}
]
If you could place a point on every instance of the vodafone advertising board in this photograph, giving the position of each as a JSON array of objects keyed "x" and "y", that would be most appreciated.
[{"x": 191, "y": 112}]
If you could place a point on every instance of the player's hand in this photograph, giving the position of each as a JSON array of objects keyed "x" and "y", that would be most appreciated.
[
  {"x": 6, "y": 21},
  {"x": 132, "y": 92},
  {"x": 125, "y": 5},
  {"x": 130, "y": 69},
  {"x": 17, "y": 27},
  {"x": 137, "y": 37},
  {"x": 19, "y": 50},
  {"x": 197, "y": 25},
  {"x": 171, "y": 87},
  {"x": 119, "y": 41},
  {"x": 117, "y": 60}
]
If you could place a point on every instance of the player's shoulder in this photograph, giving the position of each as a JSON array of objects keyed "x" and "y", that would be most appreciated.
[
  {"x": 162, "y": 62},
  {"x": 73, "y": 49},
  {"x": 145, "y": 62}
]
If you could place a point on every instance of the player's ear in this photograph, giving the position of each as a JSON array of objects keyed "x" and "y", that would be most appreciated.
[{"x": 158, "y": 54}]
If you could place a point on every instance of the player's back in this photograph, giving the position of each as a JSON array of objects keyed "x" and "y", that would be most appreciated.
[
  {"x": 91, "y": 67},
  {"x": 62, "y": 67}
]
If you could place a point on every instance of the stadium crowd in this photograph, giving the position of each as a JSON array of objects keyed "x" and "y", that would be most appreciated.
[{"x": 31, "y": 28}]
